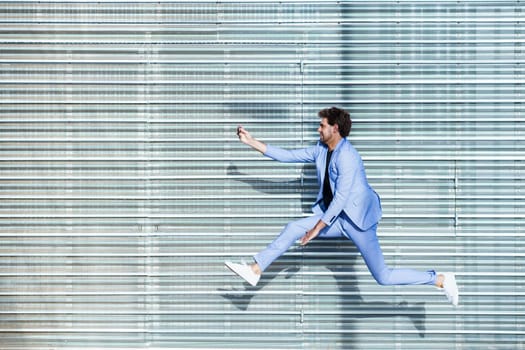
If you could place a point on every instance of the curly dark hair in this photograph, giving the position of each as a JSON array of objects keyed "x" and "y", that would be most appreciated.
[{"x": 337, "y": 116}]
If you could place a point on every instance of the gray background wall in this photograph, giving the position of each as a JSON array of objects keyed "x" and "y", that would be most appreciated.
[{"x": 123, "y": 187}]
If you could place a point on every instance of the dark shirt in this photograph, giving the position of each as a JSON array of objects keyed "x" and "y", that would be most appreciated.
[{"x": 327, "y": 191}]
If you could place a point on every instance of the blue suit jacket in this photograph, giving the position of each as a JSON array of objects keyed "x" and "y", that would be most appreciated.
[{"x": 352, "y": 193}]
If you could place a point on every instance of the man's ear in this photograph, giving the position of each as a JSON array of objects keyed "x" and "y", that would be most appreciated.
[{"x": 336, "y": 127}]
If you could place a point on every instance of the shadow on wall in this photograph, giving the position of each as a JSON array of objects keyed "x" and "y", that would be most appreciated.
[{"x": 353, "y": 306}]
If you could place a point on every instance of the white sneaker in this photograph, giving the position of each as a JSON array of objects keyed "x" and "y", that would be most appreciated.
[
  {"x": 245, "y": 271},
  {"x": 450, "y": 288}
]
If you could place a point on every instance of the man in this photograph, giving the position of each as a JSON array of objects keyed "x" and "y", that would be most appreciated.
[{"x": 346, "y": 206}]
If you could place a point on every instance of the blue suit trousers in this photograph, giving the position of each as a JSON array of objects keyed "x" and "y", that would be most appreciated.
[{"x": 366, "y": 242}]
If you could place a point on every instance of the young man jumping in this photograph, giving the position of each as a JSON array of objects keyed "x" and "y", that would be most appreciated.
[{"x": 346, "y": 206}]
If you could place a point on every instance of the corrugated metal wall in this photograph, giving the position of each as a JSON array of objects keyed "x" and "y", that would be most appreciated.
[{"x": 124, "y": 188}]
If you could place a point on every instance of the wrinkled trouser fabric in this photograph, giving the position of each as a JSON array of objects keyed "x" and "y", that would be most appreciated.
[{"x": 366, "y": 242}]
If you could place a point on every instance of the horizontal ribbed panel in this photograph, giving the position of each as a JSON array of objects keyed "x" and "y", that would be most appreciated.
[{"x": 124, "y": 188}]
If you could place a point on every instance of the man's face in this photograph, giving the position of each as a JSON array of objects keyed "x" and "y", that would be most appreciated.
[{"x": 326, "y": 131}]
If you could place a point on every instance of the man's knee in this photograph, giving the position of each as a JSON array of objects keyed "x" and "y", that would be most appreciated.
[
  {"x": 383, "y": 277},
  {"x": 293, "y": 228}
]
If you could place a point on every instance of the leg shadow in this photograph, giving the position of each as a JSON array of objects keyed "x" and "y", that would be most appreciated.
[{"x": 353, "y": 306}]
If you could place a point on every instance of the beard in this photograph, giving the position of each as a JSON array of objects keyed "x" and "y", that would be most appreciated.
[{"x": 322, "y": 138}]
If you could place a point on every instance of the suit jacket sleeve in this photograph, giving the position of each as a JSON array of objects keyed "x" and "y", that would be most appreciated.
[{"x": 304, "y": 155}]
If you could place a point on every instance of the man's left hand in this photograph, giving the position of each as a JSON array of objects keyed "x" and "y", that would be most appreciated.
[{"x": 313, "y": 232}]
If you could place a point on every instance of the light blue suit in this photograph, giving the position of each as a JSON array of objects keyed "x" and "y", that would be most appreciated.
[
  {"x": 352, "y": 193},
  {"x": 354, "y": 212}
]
